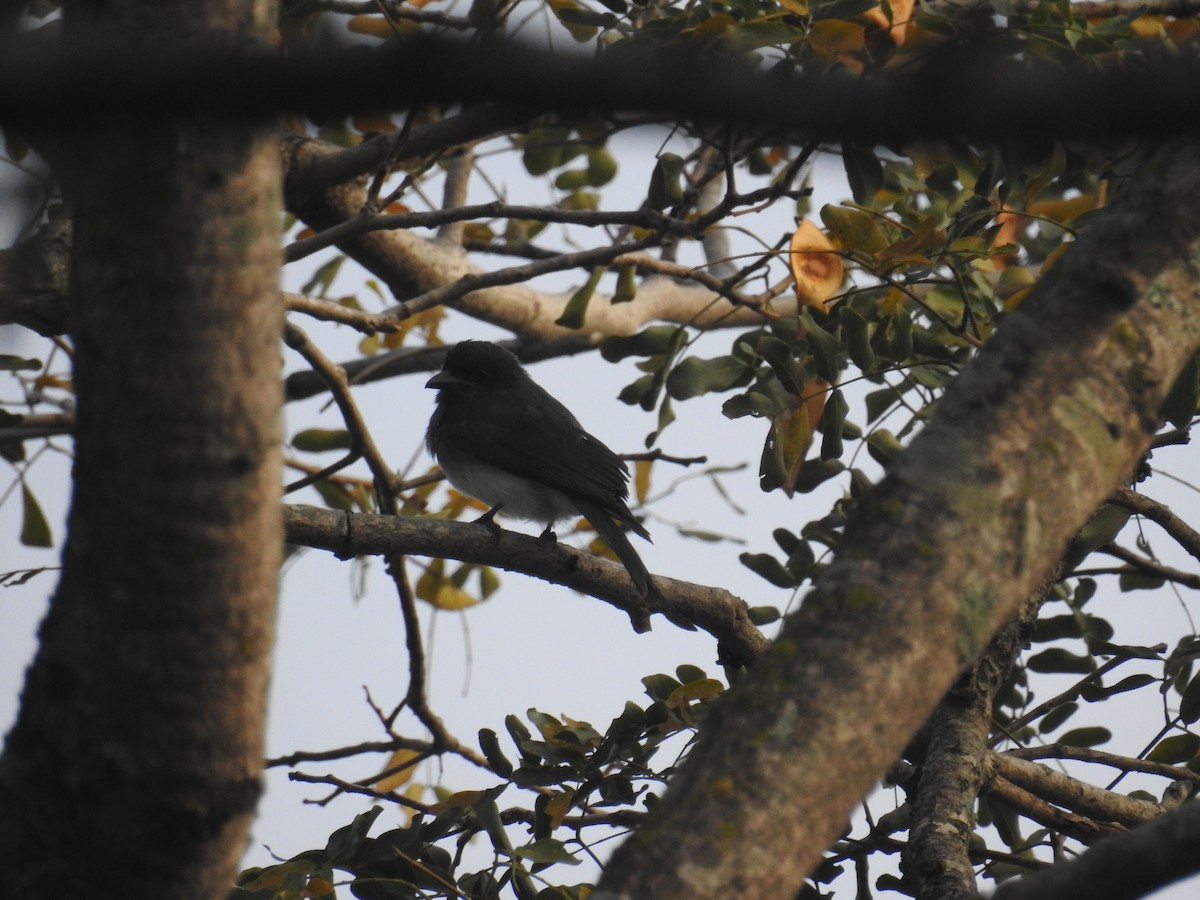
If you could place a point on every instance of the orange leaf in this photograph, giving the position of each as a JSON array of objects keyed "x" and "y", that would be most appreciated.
[
  {"x": 369, "y": 122},
  {"x": 375, "y": 26},
  {"x": 836, "y": 36},
  {"x": 558, "y": 806},
  {"x": 897, "y": 29},
  {"x": 815, "y": 265}
]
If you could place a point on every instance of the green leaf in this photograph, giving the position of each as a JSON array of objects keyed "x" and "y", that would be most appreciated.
[
  {"x": 900, "y": 338},
  {"x": 766, "y": 566},
  {"x": 547, "y": 850},
  {"x": 1086, "y": 737},
  {"x": 1101, "y": 529},
  {"x": 1139, "y": 581},
  {"x": 544, "y": 149},
  {"x": 854, "y": 230},
  {"x": 815, "y": 473},
  {"x": 35, "y": 530},
  {"x": 880, "y": 401},
  {"x": 317, "y": 440},
  {"x": 1053, "y": 628},
  {"x": 10, "y": 363},
  {"x": 647, "y": 342},
  {"x": 694, "y": 377},
  {"x": 858, "y": 343},
  {"x": 1056, "y": 717},
  {"x": 1093, "y": 692},
  {"x": 824, "y": 345},
  {"x": 1126, "y": 651},
  {"x": 626, "y": 288},
  {"x": 666, "y": 188},
  {"x": 1056, "y": 659},
  {"x": 1189, "y": 706},
  {"x": 762, "y": 615},
  {"x": 345, "y": 843},
  {"x": 863, "y": 171},
  {"x": 688, "y": 673},
  {"x": 1178, "y": 748},
  {"x": 334, "y": 495},
  {"x": 883, "y": 446},
  {"x": 575, "y": 312},
  {"x": 572, "y": 179},
  {"x": 322, "y": 279},
  {"x": 751, "y": 403},
  {"x": 836, "y": 410},
  {"x": 520, "y": 735},
  {"x": 660, "y": 687},
  {"x": 601, "y": 166},
  {"x": 489, "y": 743},
  {"x": 782, "y": 360}
]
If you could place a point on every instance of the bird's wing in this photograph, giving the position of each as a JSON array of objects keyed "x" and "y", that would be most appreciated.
[{"x": 549, "y": 445}]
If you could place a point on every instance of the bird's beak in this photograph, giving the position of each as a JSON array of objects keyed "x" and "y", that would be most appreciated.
[{"x": 440, "y": 380}]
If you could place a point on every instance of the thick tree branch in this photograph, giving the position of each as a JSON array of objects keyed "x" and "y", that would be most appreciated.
[
  {"x": 1075, "y": 795},
  {"x": 1126, "y": 867},
  {"x": 992, "y": 96},
  {"x": 423, "y": 271},
  {"x": 1051, "y": 416},
  {"x": 953, "y": 767}
]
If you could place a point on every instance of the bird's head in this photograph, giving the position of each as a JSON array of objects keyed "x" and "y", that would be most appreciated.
[{"x": 476, "y": 364}]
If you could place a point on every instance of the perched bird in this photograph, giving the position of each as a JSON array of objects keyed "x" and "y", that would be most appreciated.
[{"x": 503, "y": 439}]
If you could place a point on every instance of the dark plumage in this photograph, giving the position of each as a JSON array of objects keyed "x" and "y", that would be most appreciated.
[{"x": 503, "y": 439}]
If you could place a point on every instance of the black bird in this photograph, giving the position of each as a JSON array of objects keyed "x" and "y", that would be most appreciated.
[{"x": 502, "y": 439}]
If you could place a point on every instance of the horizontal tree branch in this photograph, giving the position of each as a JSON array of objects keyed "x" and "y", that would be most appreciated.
[
  {"x": 990, "y": 97},
  {"x": 1101, "y": 757},
  {"x": 350, "y": 534}
]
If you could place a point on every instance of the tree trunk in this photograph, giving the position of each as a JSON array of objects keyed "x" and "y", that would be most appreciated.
[
  {"x": 134, "y": 767},
  {"x": 1045, "y": 424}
]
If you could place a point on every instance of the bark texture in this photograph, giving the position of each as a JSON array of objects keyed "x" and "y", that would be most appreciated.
[
  {"x": 141, "y": 725},
  {"x": 1049, "y": 419}
]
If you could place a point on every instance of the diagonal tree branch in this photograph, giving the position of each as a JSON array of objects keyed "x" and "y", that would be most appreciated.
[{"x": 1051, "y": 416}]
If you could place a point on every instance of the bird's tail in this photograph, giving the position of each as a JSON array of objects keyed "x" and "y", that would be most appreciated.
[{"x": 614, "y": 535}]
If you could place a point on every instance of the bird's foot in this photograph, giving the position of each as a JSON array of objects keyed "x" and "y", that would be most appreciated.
[
  {"x": 549, "y": 535},
  {"x": 489, "y": 519}
]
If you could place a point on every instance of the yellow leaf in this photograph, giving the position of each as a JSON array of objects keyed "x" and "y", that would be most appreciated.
[
  {"x": 641, "y": 479},
  {"x": 836, "y": 36},
  {"x": 712, "y": 28},
  {"x": 793, "y": 437},
  {"x": 924, "y": 238},
  {"x": 368, "y": 122},
  {"x": 459, "y": 800},
  {"x": 1063, "y": 210},
  {"x": 450, "y": 596},
  {"x": 558, "y": 806},
  {"x": 701, "y": 689},
  {"x": 1148, "y": 26},
  {"x": 893, "y": 303},
  {"x": 405, "y": 758},
  {"x": 1014, "y": 300},
  {"x": 816, "y": 266}
]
